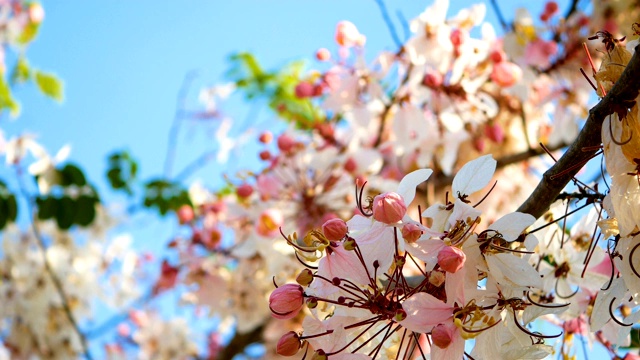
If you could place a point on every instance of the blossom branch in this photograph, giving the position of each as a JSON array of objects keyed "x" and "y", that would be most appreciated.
[
  {"x": 387, "y": 20},
  {"x": 586, "y": 144},
  {"x": 57, "y": 283}
]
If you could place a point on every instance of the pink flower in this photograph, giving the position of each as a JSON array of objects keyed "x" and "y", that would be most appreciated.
[
  {"x": 451, "y": 259},
  {"x": 269, "y": 222},
  {"x": 286, "y": 301},
  {"x": 411, "y": 232},
  {"x": 441, "y": 336},
  {"x": 389, "y": 208},
  {"x": 335, "y": 229},
  {"x": 289, "y": 344},
  {"x": 506, "y": 73}
]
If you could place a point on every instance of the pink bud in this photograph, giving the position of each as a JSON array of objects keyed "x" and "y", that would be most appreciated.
[
  {"x": 498, "y": 56},
  {"x": 389, "y": 208},
  {"x": 506, "y": 73},
  {"x": 269, "y": 222},
  {"x": 286, "y": 143},
  {"x": 304, "y": 90},
  {"x": 432, "y": 79},
  {"x": 323, "y": 54},
  {"x": 334, "y": 229},
  {"x": 347, "y": 34},
  {"x": 479, "y": 144},
  {"x": 266, "y": 137},
  {"x": 441, "y": 336},
  {"x": 286, "y": 301},
  {"x": 630, "y": 356},
  {"x": 494, "y": 132},
  {"x": 350, "y": 165},
  {"x": 265, "y": 155},
  {"x": 185, "y": 214},
  {"x": 451, "y": 259},
  {"x": 244, "y": 190},
  {"x": 289, "y": 344},
  {"x": 551, "y": 7},
  {"x": 456, "y": 37},
  {"x": 411, "y": 232}
]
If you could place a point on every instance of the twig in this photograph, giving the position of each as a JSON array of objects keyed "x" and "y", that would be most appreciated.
[
  {"x": 503, "y": 22},
  {"x": 405, "y": 25},
  {"x": 239, "y": 342},
  {"x": 385, "y": 112},
  {"x": 177, "y": 121},
  {"x": 49, "y": 270},
  {"x": 387, "y": 20},
  {"x": 442, "y": 180},
  {"x": 584, "y": 147}
]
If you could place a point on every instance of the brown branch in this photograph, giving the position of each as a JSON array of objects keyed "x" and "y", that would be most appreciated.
[
  {"x": 441, "y": 180},
  {"x": 57, "y": 283},
  {"x": 585, "y": 146},
  {"x": 239, "y": 342}
]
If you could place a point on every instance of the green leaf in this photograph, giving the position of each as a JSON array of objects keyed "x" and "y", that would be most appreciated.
[
  {"x": 85, "y": 210},
  {"x": 66, "y": 212},
  {"x": 3, "y": 213},
  {"x": 7, "y": 102},
  {"x": 29, "y": 33},
  {"x": 47, "y": 207},
  {"x": 72, "y": 175},
  {"x": 122, "y": 171},
  {"x": 12, "y": 208},
  {"x": 50, "y": 85},
  {"x": 21, "y": 72}
]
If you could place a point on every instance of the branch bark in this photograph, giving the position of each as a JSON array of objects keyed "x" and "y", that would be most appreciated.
[{"x": 584, "y": 147}]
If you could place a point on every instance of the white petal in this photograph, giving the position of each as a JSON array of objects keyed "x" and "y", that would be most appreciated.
[
  {"x": 408, "y": 184},
  {"x": 474, "y": 175},
  {"x": 512, "y": 225}
]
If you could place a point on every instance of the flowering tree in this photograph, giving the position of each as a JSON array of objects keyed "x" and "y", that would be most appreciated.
[{"x": 426, "y": 203}]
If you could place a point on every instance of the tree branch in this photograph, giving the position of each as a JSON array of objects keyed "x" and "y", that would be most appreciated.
[{"x": 585, "y": 146}]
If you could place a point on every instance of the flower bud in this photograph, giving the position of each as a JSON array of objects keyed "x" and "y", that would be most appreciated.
[
  {"x": 244, "y": 190},
  {"x": 36, "y": 13},
  {"x": 286, "y": 143},
  {"x": 551, "y": 7},
  {"x": 289, "y": 344},
  {"x": 323, "y": 54},
  {"x": 304, "y": 90},
  {"x": 334, "y": 229},
  {"x": 432, "y": 79},
  {"x": 347, "y": 34},
  {"x": 286, "y": 301},
  {"x": 451, "y": 259},
  {"x": 269, "y": 222},
  {"x": 305, "y": 277},
  {"x": 389, "y": 208},
  {"x": 411, "y": 232},
  {"x": 265, "y": 155},
  {"x": 494, "y": 132},
  {"x": 185, "y": 214},
  {"x": 266, "y": 137},
  {"x": 441, "y": 336},
  {"x": 506, "y": 74}
]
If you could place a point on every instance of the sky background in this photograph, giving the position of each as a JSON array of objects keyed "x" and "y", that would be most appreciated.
[{"x": 123, "y": 63}]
